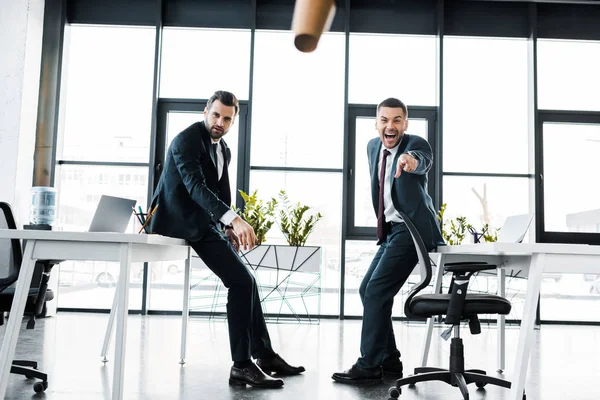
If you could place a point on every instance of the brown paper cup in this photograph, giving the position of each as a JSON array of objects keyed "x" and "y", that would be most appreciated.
[{"x": 311, "y": 19}]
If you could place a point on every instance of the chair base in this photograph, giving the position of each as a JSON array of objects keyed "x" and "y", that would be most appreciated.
[
  {"x": 460, "y": 380},
  {"x": 456, "y": 376},
  {"x": 29, "y": 370}
]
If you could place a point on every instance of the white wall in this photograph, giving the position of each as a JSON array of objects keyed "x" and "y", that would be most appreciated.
[{"x": 21, "y": 26}]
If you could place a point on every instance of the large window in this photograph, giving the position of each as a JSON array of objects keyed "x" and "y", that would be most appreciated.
[
  {"x": 197, "y": 62},
  {"x": 104, "y": 145},
  {"x": 486, "y": 154},
  {"x": 297, "y": 139},
  {"x": 569, "y": 119}
]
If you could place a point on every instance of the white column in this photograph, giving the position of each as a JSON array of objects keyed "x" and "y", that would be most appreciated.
[{"x": 21, "y": 26}]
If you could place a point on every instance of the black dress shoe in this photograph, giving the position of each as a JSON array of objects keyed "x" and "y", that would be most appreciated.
[
  {"x": 253, "y": 376},
  {"x": 278, "y": 366},
  {"x": 357, "y": 375},
  {"x": 394, "y": 369}
]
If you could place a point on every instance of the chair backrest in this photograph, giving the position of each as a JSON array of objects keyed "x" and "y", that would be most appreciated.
[
  {"x": 424, "y": 265},
  {"x": 10, "y": 249}
]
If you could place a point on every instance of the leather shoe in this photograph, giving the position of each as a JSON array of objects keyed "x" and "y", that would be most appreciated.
[
  {"x": 357, "y": 375},
  {"x": 278, "y": 366},
  {"x": 253, "y": 376},
  {"x": 394, "y": 369}
]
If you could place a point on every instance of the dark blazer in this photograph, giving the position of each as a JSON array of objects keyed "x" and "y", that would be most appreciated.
[
  {"x": 409, "y": 190},
  {"x": 189, "y": 194}
]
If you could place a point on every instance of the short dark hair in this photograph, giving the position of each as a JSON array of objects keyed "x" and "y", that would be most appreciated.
[
  {"x": 226, "y": 98},
  {"x": 393, "y": 102}
]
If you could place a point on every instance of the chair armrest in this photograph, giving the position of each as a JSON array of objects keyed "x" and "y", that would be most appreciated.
[{"x": 462, "y": 268}]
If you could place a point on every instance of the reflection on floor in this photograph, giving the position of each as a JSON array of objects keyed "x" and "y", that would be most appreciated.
[{"x": 68, "y": 347}]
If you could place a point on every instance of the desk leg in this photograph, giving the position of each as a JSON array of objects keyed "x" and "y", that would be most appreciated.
[
  {"x": 122, "y": 311},
  {"x": 11, "y": 334},
  {"x": 437, "y": 287},
  {"x": 501, "y": 326},
  {"x": 186, "y": 305},
  {"x": 111, "y": 322},
  {"x": 526, "y": 333}
]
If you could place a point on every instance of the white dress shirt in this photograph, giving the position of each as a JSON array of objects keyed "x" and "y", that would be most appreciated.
[
  {"x": 230, "y": 215},
  {"x": 389, "y": 212}
]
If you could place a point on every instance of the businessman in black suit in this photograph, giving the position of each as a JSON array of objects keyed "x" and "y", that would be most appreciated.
[
  {"x": 193, "y": 198},
  {"x": 398, "y": 163}
]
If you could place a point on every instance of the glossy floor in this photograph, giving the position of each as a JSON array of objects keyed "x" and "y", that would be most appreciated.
[{"x": 565, "y": 361}]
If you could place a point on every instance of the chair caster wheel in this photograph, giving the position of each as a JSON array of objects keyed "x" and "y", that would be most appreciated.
[
  {"x": 39, "y": 387},
  {"x": 480, "y": 385},
  {"x": 394, "y": 392}
]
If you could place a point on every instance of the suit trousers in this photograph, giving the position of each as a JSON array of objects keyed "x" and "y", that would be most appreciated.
[
  {"x": 389, "y": 270},
  {"x": 248, "y": 334}
]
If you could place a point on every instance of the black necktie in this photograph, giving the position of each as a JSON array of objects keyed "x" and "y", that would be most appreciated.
[
  {"x": 380, "y": 216},
  {"x": 214, "y": 149}
]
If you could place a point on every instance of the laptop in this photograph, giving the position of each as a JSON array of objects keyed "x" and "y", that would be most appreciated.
[
  {"x": 112, "y": 214},
  {"x": 514, "y": 229}
]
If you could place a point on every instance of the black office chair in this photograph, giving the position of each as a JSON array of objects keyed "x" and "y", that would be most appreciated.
[
  {"x": 457, "y": 306},
  {"x": 11, "y": 257}
]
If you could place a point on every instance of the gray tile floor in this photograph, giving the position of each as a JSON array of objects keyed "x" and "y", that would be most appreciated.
[{"x": 565, "y": 361}]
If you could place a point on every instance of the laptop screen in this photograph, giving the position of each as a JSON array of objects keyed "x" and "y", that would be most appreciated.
[
  {"x": 514, "y": 228},
  {"x": 112, "y": 214}
]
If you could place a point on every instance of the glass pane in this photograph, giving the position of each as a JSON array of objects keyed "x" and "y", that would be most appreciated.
[
  {"x": 485, "y": 105},
  {"x": 568, "y": 76},
  {"x": 91, "y": 284},
  {"x": 325, "y": 197},
  {"x": 364, "y": 214},
  {"x": 108, "y": 97},
  {"x": 177, "y": 121},
  {"x": 570, "y": 297},
  {"x": 197, "y": 62},
  {"x": 81, "y": 186},
  {"x": 502, "y": 197},
  {"x": 571, "y": 193},
  {"x": 371, "y": 81},
  {"x": 298, "y": 102}
]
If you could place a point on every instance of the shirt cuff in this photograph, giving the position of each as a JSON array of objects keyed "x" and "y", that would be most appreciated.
[{"x": 228, "y": 217}]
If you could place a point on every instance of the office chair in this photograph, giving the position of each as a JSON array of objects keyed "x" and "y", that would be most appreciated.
[
  {"x": 457, "y": 306},
  {"x": 11, "y": 257}
]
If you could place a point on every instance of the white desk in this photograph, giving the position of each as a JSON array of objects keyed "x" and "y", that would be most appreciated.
[
  {"x": 533, "y": 259},
  {"x": 89, "y": 246}
]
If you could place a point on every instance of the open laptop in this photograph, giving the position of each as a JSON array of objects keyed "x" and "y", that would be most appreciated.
[
  {"x": 514, "y": 229},
  {"x": 112, "y": 214}
]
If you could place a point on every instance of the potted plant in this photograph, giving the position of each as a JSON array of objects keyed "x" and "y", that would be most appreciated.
[
  {"x": 288, "y": 274},
  {"x": 258, "y": 214},
  {"x": 292, "y": 222},
  {"x": 454, "y": 231}
]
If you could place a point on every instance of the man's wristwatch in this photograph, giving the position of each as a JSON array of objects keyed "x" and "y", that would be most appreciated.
[{"x": 228, "y": 227}]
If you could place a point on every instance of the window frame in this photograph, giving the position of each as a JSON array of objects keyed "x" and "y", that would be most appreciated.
[{"x": 556, "y": 116}]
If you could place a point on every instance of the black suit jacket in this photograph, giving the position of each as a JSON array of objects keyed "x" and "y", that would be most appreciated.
[
  {"x": 409, "y": 190},
  {"x": 189, "y": 195}
]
